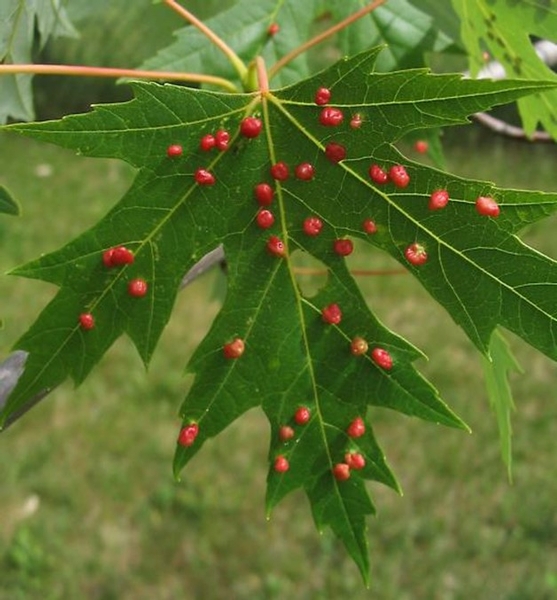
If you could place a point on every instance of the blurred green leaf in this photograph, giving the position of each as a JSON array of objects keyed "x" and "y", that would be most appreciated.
[
  {"x": 506, "y": 29},
  {"x": 8, "y": 204},
  {"x": 497, "y": 367},
  {"x": 20, "y": 21},
  {"x": 408, "y": 33}
]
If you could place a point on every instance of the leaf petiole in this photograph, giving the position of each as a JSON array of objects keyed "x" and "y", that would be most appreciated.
[
  {"x": 78, "y": 70},
  {"x": 234, "y": 59}
]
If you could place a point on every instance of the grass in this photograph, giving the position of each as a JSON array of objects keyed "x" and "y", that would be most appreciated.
[{"x": 89, "y": 508}]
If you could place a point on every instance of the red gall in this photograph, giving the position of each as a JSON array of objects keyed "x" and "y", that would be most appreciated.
[
  {"x": 415, "y": 254},
  {"x": 281, "y": 464},
  {"x": 137, "y": 288},
  {"x": 382, "y": 358},
  {"x": 174, "y": 151},
  {"x": 251, "y": 127},
  {"x": 276, "y": 246},
  {"x": 87, "y": 321},
  {"x": 302, "y": 415},
  {"x": 234, "y": 349},
  {"x": 187, "y": 434},
  {"x": 322, "y": 96},
  {"x": 399, "y": 176},
  {"x": 487, "y": 206},
  {"x": 332, "y": 314},
  {"x": 341, "y": 472},
  {"x": 356, "y": 428}
]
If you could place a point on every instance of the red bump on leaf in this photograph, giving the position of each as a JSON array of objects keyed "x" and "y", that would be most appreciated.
[
  {"x": 421, "y": 146},
  {"x": 438, "y": 199},
  {"x": 222, "y": 138},
  {"x": 107, "y": 258},
  {"x": 305, "y": 171},
  {"x": 487, "y": 206},
  {"x": 399, "y": 176},
  {"x": 281, "y": 464},
  {"x": 87, "y": 321},
  {"x": 357, "y": 428},
  {"x": 341, "y": 472},
  {"x": 122, "y": 256},
  {"x": 265, "y": 218},
  {"x": 358, "y": 346},
  {"x": 335, "y": 152},
  {"x": 207, "y": 142},
  {"x": 251, "y": 127},
  {"x": 174, "y": 151},
  {"x": 322, "y": 96},
  {"x": 415, "y": 254},
  {"x": 285, "y": 433},
  {"x": 355, "y": 460},
  {"x": 264, "y": 194},
  {"x": 343, "y": 247},
  {"x": 313, "y": 226},
  {"x": 187, "y": 434},
  {"x": 204, "y": 177},
  {"x": 276, "y": 246},
  {"x": 369, "y": 226},
  {"x": 234, "y": 349},
  {"x": 273, "y": 29},
  {"x": 356, "y": 121},
  {"x": 280, "y": 171},
  {"x": 332, "y": 314},
  {"x": 331, "y": 117},
  {"x": 302, "y": 415},
  {"x": 378, "y": 174},
  {"x": 382, "y": 358},
  {"x": 137, "y": 288}
]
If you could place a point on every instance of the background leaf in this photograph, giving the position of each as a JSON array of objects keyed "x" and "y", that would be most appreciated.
[
  {"x": 507, "y": 33},
  {"x": 20, "y": 20},
  {"x": 8, "y": 205},
  {"x": 497, "y": 368}
]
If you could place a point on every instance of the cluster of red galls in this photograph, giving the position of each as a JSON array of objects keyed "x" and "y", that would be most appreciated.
[
  {"x": 397, "y": 174},
  {"x": 415, "y": 253},
  {"x": 118, "y": 256},
  {"x": 353, "y": 459}
]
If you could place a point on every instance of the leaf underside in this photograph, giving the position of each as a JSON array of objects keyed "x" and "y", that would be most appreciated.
[{"x": 477, "y": 268}]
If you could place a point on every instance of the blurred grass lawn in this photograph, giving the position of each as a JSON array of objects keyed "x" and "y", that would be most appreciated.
[{"x": 89, "y": 508}]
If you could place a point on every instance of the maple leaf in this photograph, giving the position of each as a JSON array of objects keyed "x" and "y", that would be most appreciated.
[{"x": 289, "y": 356}]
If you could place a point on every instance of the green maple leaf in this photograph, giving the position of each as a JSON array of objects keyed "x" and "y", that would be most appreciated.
[
  {"x": 507, "y": 32},
  {"x": 477, "y": 267}
]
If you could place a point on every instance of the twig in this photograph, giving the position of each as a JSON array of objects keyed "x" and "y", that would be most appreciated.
[
  {"x": 322, "y": 36},
  {"x": 512, "y": 131},
  {"x": 115, "y": 73},
  {"x": 234, "y": 59}
]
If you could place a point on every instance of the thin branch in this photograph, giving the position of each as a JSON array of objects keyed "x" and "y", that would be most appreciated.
[
  {"x": 234, "y": 59},
  {"x": 322, "y": 37},
  {"x": 512, "y": 131},
  {"x": 115, "y": 73}
]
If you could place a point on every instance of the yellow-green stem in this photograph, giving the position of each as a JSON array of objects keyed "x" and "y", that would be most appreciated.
[
  {"x": 234, "y": 59},
  {"x": 115, "y": 73}
]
